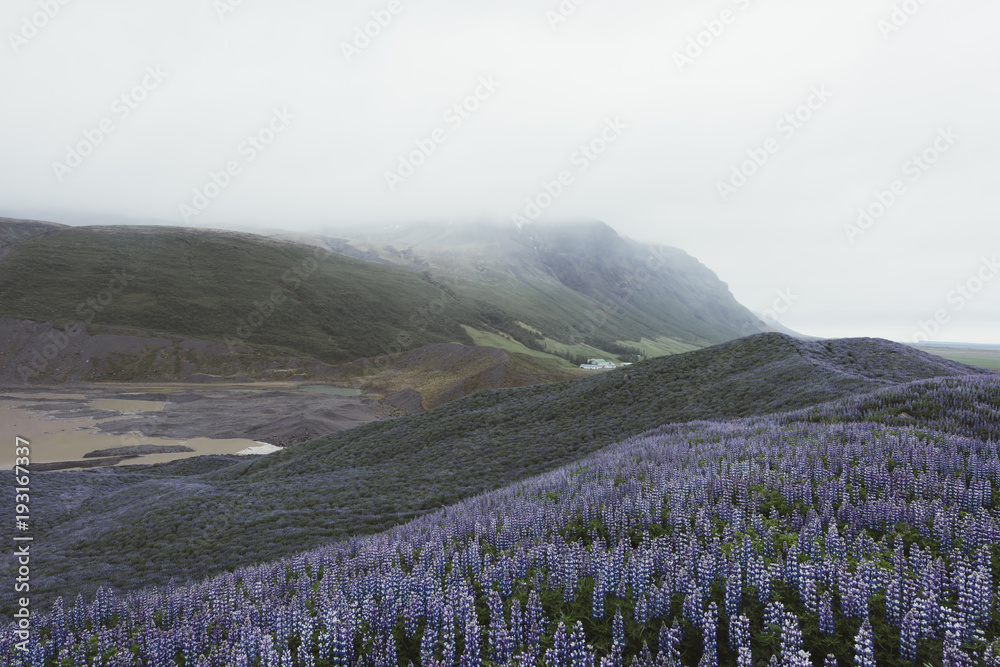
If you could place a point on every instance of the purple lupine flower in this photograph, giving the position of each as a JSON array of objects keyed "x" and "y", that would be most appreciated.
[
  {"x": 791, "y": 641},
  {"x": 579, "y": 655},
  {"x": 807, "y": 593},
  {"x": 668, "y": 652},
  {"x": 644, "y": 658},
  {"x": 341, "y": 652},
  {"x": 774, "y": 615},
  {"x": 614, "y": 659},
  {"x": 829, "y": 661},
  {"x": 864, "y": 649},
  {"x": 497, "y": 628},
  {"x": 734, "y": 591},
  {"x": 520, "y": 660},
  {"x": 535, "y": 622},
  {"x": 558, "y": 655},
  {"x": 826, "y": 614},
  {"x": 471, "y": 656},
  {"x": 710, "y": 631},
  {"x": 952, "y": 656},
  {"x": 516, "y": 624},
  {"x": 739, "y": 633},
  {"x": 412, "y": 612},
  {"x": 641, "y": 611},
  {"x": 569, "y": 577},
  {"x": 894, "y": 600},
  {"x": 991, "y": 658},
  {"x": 428, "y": 643},
  {"x": 504, "y": 646},
  {"x": 597, "y": 598},
  {"x": 693, "y": 606},
  {"x": 909, "y": 635},
  {"x": 449, "y": 646},
  {"x": 268, "y": 655},
  {"x": 387, "y": 652}
]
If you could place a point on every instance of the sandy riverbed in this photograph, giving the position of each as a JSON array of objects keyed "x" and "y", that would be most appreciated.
[
  {"x": 54, "y": 440},
  {"x": 66, "y": 425}
]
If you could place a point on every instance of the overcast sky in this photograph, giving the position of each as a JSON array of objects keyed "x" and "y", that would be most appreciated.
[{"x": 683, "y": 108}]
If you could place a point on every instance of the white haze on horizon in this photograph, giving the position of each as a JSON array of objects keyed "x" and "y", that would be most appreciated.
[{"x": 199, "y": 79}]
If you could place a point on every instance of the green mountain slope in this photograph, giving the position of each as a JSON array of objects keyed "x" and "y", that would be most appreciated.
[
  {"x": 132, "y": 527},
  {"x": 225, "y": 287},
  {"x": 573, "y": 283},
  {"x": 569, "y": 290}
]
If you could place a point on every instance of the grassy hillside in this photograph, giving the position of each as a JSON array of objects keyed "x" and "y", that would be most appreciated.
[
  {"x": 573, "y": 292},
  {"x": 435, "y": 374},
  {"x": 144, "y": 526},
  {"x": 577, "y": 284},
  {"x": 14, "y": 231},
  {"x": 224, "y": 286}
]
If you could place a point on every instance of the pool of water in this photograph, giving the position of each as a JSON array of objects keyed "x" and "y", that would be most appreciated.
[{"x": 330, "y": 391}]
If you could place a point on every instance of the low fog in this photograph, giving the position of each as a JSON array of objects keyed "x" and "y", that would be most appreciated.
[{"x": 835, "y": 163}]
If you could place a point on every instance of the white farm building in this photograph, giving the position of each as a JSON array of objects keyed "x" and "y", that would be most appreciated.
[{"x": 598, "y": 365}]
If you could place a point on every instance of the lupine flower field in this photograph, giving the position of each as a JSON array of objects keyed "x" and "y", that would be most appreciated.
[
  {"x": 133, "y": 527},
  {"x": 861, "y": 532}
]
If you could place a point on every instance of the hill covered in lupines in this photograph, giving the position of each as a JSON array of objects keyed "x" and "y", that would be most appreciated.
[
  {"x": 819, "y": 537},
  {"x": 184, "y": 521}
]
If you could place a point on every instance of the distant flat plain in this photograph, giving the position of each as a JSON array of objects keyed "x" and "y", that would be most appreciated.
[{"x": 984, "y": 356}]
